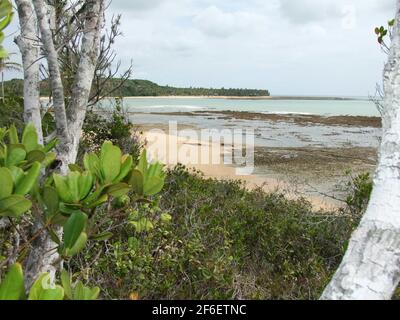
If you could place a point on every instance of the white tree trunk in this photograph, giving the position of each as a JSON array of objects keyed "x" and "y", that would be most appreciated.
[
  {"x": 89, "y": 54},
  {"x": 43, "y": 255},
  {"x": 371, "y": 266},
  {"x": 29, "y": 48},
  {"x": 64, "y": 147}
]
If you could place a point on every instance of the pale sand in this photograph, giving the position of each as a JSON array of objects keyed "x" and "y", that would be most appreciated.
[{"x": 172, "y": 150}]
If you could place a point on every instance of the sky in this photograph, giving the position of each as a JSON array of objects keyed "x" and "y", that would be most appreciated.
[{"x": 290, "y": 47}]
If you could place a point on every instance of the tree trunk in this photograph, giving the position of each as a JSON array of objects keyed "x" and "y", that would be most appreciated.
[
  {"x": 29, "y": 48},
  {"x": 43, "y": 255},
  {"x": 371, "y": 266},
  {"x": 60, "y": 115},
  {"x": 81, "y": 88}
]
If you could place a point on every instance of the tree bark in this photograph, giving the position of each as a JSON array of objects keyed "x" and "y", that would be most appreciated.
[
  {"x": 60, "y": 115},
  {"x": 43, "y": 255},
  {"x": 370, "y": 269},
  {"x": 29, "y": 48},
  {"x": 81, "y": 88}
]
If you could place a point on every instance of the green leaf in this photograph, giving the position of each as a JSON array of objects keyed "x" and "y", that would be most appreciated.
[
  {"x": 30, "y": 138},
  {"x": 73, "y": 180},
  {"x": 15, "y": 156},
  {"x": 78, "y": 247},
  {"x": 110, "y": 159},
  {"x": 17, "y": 174},
  {"x": 85, "y": 184},
  {"x": 84, "y": 293},
  {"x": 43, "y": 289},
  {"x": 5, "y": 8},
  {"x": 102, "y": 236},
  {"x": 7, "y": 183},
  {"x": 12, "y": 287},
  {"x": 136, "y": 181},
  {"x": 14, "y": 206},
  {"x": 13, "y": 135},
  {"x": 73, "y": 228},
  {"x": 118, "y": 190},
  {"x": 36, "y": 155},
  {"x": 51, "y": 200},
  {"x": 142, "y": 166},
  {"x": 51, "y": 145},
  {"x": 66, "y": 283},
  {"x": 27, "y": 182},
  {"x": 62, "y": 188},
  {"x": 142, "y": 225},
  {"x": 92, "y": 164},
  {"x": 153, "y": 186},
  {"x": 126, "y": 167},
  {"x": 75, "y": 168}
]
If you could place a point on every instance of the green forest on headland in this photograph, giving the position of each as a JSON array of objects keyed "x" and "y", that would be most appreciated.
[{"x": 145, "y": 88}]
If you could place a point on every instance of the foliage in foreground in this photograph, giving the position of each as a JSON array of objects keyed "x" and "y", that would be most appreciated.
[
  {"x": 211, "y": 239},
  {"x": 67, "y": 205}
]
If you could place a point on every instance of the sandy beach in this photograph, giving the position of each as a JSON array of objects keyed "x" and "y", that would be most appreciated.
[{"x": 296, "y": 172}]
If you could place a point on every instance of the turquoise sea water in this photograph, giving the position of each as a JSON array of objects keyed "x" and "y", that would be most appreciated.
[{"x": 357, "y": 107}]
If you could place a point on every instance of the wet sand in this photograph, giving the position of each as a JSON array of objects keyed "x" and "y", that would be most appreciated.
[
  {"x": 309, "y": 172},
  {"x": 299, "y": 119}
]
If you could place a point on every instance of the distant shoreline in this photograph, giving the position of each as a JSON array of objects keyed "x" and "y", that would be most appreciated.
[
  {"x": 305, "y": 98},
  {"x": 245, "y": 98}
]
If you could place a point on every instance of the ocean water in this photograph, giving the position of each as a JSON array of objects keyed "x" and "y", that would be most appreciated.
[{"x": 356, "y": 107}]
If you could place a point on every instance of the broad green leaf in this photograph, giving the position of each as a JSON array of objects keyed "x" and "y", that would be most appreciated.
[
  {"x": 62, "y": 188},
  {"x": 26, "y": 184},
  {"x": 15, "y": 156},
  {"x": 43, "y": 289},
  {"x": 110, "y": 159},
  {"x": 118, "y": 190},
  {"x": 142, "y": 166},
  {"x": 84, "y": 293},
  {"x": 13, "y": 135},
  {"x": 73, "y": 228},
  {"x": 126, "y": 167},
  {"x": 30, "y": 138},
  {"x": 79, "y": 245},
  {"x": 12, "y": 286},
  {"x": 66, "y": 283},
  {"x": 85, "y": 185},
  {"x": 92, "y": 164},
  {"x": 17, "y": 174},
  {"x": 73, "y": 180},
  {"x": 14, "y": 206},
  {"x": 51, "y": 201},
  {"x": 36, "y": 155},
  {"x": 6, "y": 183},
  {"x": 137, "y": 181},
  {"x": 153, "y": 186}
]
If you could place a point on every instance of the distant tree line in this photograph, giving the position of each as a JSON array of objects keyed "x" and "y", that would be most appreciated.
[{"x": 139, "y": 88}]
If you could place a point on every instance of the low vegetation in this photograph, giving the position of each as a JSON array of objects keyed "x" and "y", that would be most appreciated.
[
  {"x": 138, "y": 88},
  {"x": 196, "y": 239}
]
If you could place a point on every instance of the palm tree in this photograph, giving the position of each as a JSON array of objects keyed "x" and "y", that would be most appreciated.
[{"x": 7, "y": 65}]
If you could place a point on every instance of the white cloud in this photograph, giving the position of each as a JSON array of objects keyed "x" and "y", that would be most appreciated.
[
  {"x": 215, "y": 22},
  {"x": 287, "y": 46}
]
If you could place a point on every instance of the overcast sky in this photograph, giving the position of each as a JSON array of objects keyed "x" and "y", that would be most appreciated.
[{"x": 321, "y": 47}]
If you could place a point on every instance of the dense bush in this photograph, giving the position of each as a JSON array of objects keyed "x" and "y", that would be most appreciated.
[
  {"x": 218, "y": 241},
  {"x": 113, "y": 126},
  {"x": 359, "y": 189}
]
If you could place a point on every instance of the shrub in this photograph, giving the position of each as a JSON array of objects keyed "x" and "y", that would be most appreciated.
[
  {"x": 115, "y": 127},
  {"x": 220, "y": 242},
  {"x": 359, "y": 189}
]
